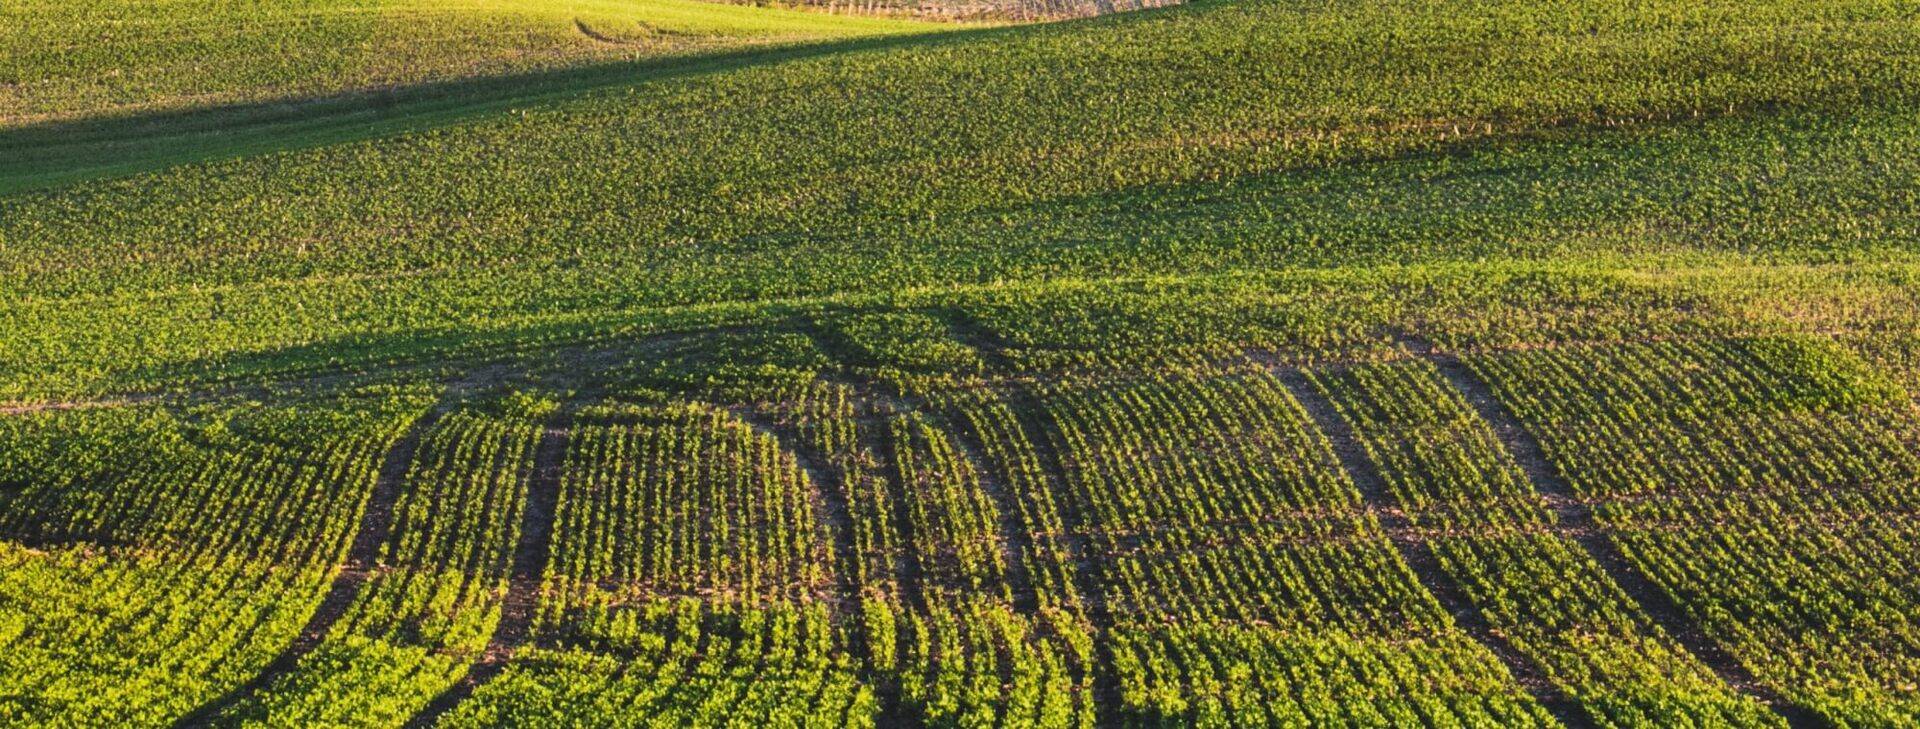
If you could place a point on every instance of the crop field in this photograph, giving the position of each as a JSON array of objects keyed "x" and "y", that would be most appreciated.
[{"x": 1388, "y": 363}]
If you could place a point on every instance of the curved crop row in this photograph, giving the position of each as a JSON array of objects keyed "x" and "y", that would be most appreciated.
[
  {"x": 165, "y": 558},
  {"x": 1761, "y": 483},
  {"x": 1534, "y": 584},
  {"x": 432, "y": 602}
]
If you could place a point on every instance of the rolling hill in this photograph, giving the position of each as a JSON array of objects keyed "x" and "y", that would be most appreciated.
[{"x": 1244, "y": 362}]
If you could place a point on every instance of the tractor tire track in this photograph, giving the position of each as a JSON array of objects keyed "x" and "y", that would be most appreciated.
[
  {"x": 530, "y": 557},
  {"x": 1029, "y": 413},
  {"x": 1587, "y": 532},
  {"x": 1419, "y": 555},
  {"x": 1014, "y": 537},
  {"x": 873, "y": 419},
  {"x": 832, "y": 490},
  {"x": 874, "y": 413},
  {"x": 1089, "y": 575},
  {"x": 362, "y": 564},
  {"x": 834, "y": 513},
  {"x": 873, "y": 432},
  {"x": 66, "y": 405}
]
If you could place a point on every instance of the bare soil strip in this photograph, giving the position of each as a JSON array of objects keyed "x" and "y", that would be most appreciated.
[
  {"x": 45, "y": 407},
  {"x": 1592, "y": 537},
  {"x": 376, "y": 521},
  {"x": 1420, "y": 556},
  {"x": 530, "y": 557}
]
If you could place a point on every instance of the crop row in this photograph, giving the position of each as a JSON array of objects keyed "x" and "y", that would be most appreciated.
[
  {"x": 1536, "y": 586},
  {"x": 1235, "y": 548},
  {"x": 1764, "y": 484},
  {"x": 683, "y": 661},
  {"x": 761, "y": 534},
  {"x": 939, "y": 619},
  {"x": 689, "y": 580},
  {"x": 164, "y": 558},
  {"x": 433, "y": 599},
  {"x": 686, "y": 499}
]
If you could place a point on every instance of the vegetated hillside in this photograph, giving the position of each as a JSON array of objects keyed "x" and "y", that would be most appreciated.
[
  {"x": 160, "y": 83},
  {"x": 77, "y": 60},
  {"x": 976, "y": 10},
  {"x": 1240, "y": 363},
  {"x": 1348, "y": 134}
]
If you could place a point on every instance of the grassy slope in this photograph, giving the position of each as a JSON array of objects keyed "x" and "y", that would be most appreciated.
[
  {"x": 1208, "y": 139},
  {"x": 1494, "y": 174},
  {"x": 77, "y": 60},
  {"x": 157, "y": 84}
]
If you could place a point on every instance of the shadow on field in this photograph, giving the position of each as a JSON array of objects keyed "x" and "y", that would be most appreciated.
[
  {"x": 562, "y": 352},
  {"x": 59, "y": 152}
]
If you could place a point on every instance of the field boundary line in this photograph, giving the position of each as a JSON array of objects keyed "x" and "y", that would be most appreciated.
[
  {"x": 1585, "y": 530},
  {"x": 360, "y": 566},
  {"x": 1419, "y": 555},
  {"x": 531, "y": 555}
]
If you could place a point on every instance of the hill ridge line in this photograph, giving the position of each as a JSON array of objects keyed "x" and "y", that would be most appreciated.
[
  {"x": 1419, "y": 555},
  {"x": 1585, "y": 530}
]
